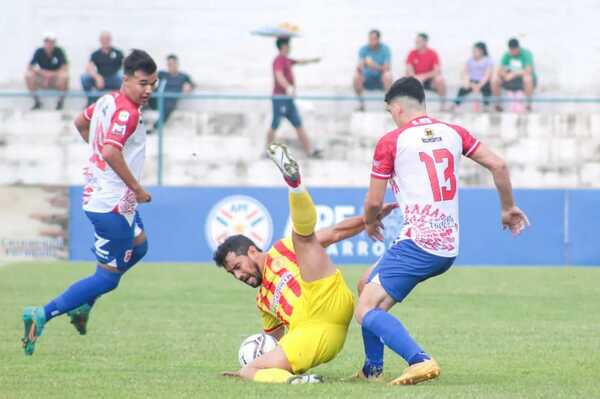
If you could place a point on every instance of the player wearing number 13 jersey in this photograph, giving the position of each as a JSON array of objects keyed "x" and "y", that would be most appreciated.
[
  {"x": 116, "y": 136},
  {"x": 420, "y": 161}
]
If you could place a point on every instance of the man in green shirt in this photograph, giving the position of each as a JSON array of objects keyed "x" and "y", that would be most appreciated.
[{"x": 516, "y": 72}]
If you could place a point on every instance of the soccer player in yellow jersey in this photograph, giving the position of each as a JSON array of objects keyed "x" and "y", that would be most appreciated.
[{"x": 299, "y": 288}]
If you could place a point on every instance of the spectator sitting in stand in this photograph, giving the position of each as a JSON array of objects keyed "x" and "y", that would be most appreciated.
[
  {"x": 516, "y": 73},
  {"x": 423, "y": 63},
  {"x": 373, "y": 70},
  {"x": 174, "y": 81},
  {"x": 476, "y": 75},
  {"x": 48, "y": 70},
  {"x": 103, "y": 72}
]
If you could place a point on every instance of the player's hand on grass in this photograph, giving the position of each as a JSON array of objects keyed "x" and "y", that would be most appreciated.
[
  {"x": 386, "y": 210},
  {"x": 142, "y": 196},
  {"x": 375, "y": 230},
  {"x": 514, "y": 220},
  {"x": 232, "y": 374}
]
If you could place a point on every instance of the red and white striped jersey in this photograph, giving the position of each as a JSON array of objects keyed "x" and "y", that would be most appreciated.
[
  {"x": 421, "y": 161},
  {"x": 115, "y": 120}
]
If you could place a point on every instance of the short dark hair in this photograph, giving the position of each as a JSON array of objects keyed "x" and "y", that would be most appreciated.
[
  {"x": 172, "y": 57},
  {"x": 138, "y": 60},
  {"x": 238, "y": 244},
  {"x": 481, "y": 46},
  {"x": 375, "y": 32},
  {"x": 513, "y": 43},
  {"x": 423, "y": 36},
  {"x": 282, "y": 41},
  {"x": 406, "y": 87}
]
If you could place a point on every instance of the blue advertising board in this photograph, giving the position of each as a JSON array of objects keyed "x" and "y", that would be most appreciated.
[{"x": 185, "y": 224}]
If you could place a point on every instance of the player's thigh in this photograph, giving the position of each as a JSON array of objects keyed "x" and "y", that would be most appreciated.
[
  {"x": 310, "y": 345},
  {"x": 364, "y": 279},
  {"x": 114, "y": 236},
  {"x": 328, "y": 300},
  {"x": 313, "y": 261}
]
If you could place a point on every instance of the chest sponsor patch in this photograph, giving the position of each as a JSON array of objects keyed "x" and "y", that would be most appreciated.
[{"x": 123, "y": 116}]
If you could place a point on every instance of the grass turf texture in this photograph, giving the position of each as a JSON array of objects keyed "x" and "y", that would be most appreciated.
[{"x": 169, "y": 330}]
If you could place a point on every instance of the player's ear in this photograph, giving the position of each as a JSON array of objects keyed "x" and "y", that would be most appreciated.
[{"x": 253, "y": 251}]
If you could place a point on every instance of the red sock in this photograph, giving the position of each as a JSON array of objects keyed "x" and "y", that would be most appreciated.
[{"x": 292, "y": 183}]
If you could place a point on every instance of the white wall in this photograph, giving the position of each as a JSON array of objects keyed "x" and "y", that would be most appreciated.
[{"x": 213, "y": 41}]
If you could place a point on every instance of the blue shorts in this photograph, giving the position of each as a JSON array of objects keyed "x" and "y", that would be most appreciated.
[
  {"x": 404, "y": 265},
  {"x": 285, "y": 108},
  {"x": 372, "y": 82},
  {"x": 114, "y": 237}
]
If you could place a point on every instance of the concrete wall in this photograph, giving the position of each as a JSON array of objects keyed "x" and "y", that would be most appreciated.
[
  {"x": 222, "y": 146},
  {"x": 212, "y": 36}
]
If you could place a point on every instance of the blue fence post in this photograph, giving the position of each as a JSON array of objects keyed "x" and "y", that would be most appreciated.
[{"x": 161, "y": 122}]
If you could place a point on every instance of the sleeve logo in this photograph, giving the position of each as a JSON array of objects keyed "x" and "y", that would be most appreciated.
[{"x": 119, "y": 129}]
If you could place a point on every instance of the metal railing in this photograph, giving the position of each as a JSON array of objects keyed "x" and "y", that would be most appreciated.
[{"x": 160, "y": 94}]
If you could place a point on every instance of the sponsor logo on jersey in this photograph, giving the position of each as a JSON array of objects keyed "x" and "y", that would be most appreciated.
[
  {"x": 123, "y": 116},
  {"x": 239, "y": 214},
  {"x": 430, "y": 136}
]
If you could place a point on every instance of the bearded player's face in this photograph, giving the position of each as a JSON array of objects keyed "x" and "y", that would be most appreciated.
[{"x": 243, "y": 269}]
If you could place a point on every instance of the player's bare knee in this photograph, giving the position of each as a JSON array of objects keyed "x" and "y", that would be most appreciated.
[{"x": 360, "y": 311}]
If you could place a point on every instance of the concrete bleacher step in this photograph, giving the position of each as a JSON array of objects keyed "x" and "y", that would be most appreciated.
[{"x": 224, "y": 147}]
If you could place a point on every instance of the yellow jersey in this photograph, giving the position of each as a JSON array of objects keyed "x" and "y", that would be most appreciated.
[{"x": 281, "y": 286}]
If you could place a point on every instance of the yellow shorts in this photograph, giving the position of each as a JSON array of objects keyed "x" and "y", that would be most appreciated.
[{"x": 320, "y": 322}]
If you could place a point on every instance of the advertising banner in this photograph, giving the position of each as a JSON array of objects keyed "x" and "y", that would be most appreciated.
[{"x": 185, "y": 224}]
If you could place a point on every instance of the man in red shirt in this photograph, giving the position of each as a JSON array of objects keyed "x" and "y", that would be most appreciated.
[
  {"x": 284, "y": 85},
  {"x": 423, "y": 63}
]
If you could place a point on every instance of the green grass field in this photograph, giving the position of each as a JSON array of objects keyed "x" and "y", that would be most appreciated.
[{"x": 169, "y": 330}]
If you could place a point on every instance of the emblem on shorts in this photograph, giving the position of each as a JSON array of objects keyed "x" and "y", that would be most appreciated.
[
  {"x": 239, "y": 214},
  {"x": 127, "y": 256}
]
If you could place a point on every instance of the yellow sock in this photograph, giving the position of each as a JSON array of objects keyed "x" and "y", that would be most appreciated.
[
  {"x": 273, "y": 376},
  {"x": 303, "y": 212}
]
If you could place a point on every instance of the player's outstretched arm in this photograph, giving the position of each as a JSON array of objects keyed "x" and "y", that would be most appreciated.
[
  {"x": 114, "y": 157},
  {"x": 512, "y": 217},
  {"x": 83, "y": 127},
  {"x": 349, "y": 228}
]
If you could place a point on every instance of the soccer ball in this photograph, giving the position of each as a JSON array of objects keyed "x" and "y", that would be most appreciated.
[{"x": 255, "y": 346}]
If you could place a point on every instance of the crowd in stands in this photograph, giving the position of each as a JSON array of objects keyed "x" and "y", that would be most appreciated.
[
  {"x": 49, "y": 70},
  {"x": 515, "y": 73}
]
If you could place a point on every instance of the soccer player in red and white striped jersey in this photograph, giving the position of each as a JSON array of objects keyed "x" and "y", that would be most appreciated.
[{"x": 420, "y": 160}]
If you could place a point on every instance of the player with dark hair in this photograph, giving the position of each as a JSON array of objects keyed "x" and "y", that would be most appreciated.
[
  {"x": 420, "y": 160},
  {"x": 117, "y": 144},
  {"x": 284, "y": 85},
  {"x": 299, "y": 287}
]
